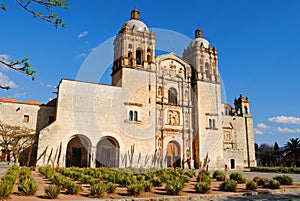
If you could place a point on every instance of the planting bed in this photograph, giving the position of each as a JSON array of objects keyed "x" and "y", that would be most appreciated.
[{"x": 121, "y": 191}]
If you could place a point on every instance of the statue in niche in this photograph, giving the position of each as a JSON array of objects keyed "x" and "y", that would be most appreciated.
[
  {"x": 159, "y": 142},
  {"x": 186, "y": 94},
  {"x": 159, "y": 91},
  {"x": 187, "y": 118}
]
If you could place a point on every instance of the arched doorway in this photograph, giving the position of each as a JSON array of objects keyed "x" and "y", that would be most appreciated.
[
  {"x": 232, "y": 164},
  {"x": 107, "y": 153},
  {"x": 173, "y": 154},
  {"x": 78, "y": 150}
]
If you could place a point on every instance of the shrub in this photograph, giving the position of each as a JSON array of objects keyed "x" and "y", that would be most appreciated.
[
  {"x": 57, "y": 179},
  {"x": 111, "y": 187},
  {"x": 98, "y": 190},
  {"x": 202, "y": 187},
  {"x": 203, "y": 177},
  {"x": 72, "y": 188},
  {"x": 190, "y": 173},
  {"x": 148, "y": 186},
  {"x": 174, "y": 187},
  {"x": 251, "y": 185},
  {"x": 135, "y": 189},
  {"x": 5, "y": 189},
  {"x": 237, "y": 177},
  {"x": 271, "y": 183},
  {"x": 219, "y": 175},
  {"x": 229, "y": 185},
  {"x": 284, "y": 179},
  {"x": 184, "y": 178},
  {"x": 27, "y": 187},
  {"x": 52, "y": 191},
  {"x": 256, "y": 179},
  {"x": 157, "y": 182}
]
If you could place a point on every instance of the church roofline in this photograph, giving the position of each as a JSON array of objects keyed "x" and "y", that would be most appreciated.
[{"x": 86, "y": 82}]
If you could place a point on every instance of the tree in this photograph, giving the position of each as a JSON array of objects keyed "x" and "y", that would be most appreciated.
[
  {"x": 265, "y": 155},
  {"x": 15, "y": 139},
  {"x": 292, "y": 149},
  {"x": 43, "y": 9},
  {"x": 277, "y": 154}
]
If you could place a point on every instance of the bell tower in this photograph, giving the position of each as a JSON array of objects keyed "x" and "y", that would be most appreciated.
[
  {"x": 208, "y": 107},
  {"x": 203, "y": 58},
  {"x": 134, "y": 47}
]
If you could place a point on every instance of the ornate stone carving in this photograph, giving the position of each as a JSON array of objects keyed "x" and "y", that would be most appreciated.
[{"x": 173, "y": 118}]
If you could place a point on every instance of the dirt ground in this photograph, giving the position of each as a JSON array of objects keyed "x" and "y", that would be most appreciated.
[{"x": 121, "y": 192}]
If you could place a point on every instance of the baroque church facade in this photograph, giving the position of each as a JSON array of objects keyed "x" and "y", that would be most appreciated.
[{"x": 160, "y": 111}]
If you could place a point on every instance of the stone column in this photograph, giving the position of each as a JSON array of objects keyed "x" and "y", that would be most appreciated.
[{"x": 93, "y": 157}]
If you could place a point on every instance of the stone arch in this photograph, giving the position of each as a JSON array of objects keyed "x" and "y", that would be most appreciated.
[
  {"x": 173, "y": 154},
  {"x": 107, "y": 154},
  {"x": 78, "y": 151},
  {"x": 139, "y": 56}
]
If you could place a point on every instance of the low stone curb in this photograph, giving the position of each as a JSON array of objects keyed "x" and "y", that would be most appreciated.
[{"x": 206, "y": 196}]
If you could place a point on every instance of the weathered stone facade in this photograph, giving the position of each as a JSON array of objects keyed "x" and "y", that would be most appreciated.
[{"x": 161, "y": 111}]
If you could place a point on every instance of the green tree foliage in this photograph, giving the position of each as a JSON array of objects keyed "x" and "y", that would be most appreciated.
[
  {"x": 292, "y": 149},
  {"x": 43, "y": 9}
]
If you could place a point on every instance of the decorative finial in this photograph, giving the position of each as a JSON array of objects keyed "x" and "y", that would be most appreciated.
[
  {"x": 135, "y": 15},
  {"x": 198, "y": 33}
]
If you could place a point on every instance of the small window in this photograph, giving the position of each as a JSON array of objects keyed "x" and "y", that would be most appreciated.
[
  {"x": 130, "y": 116},
  {"x": 172, "y": 96},
  {"x": 129, "y": 46},
  {"x": 26, "y": 118},
  {"x": 209, "y": 123},
  {"x": 214, "y": 123},
  {"x": 135, "y": 117}
]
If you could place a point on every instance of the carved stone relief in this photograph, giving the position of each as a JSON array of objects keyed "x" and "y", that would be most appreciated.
[{"x": 173, "y": 118}]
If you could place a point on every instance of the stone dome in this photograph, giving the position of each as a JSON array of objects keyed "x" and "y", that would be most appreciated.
[
  {"x": 199, "y": 40},
  {"x": 139, "y": 25},
  {"x": 136, "y": 22}
]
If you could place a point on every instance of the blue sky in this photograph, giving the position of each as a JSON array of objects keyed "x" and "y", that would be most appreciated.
[{"x": 258, "y": 44}]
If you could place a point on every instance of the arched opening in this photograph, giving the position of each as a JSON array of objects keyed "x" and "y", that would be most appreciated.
[
  {"x": 78, "y": 150},
  {"x": 172, "y": 96},
  {"x": 135, "y": 116},
  {"x": 209, "y": 123},
  {"x": 232, "y": 164},
  {"x": 139, "y": 56},
  {"x": 245, "y": 110},
  {"x": 107, "y": 153},
  {"x": 214, "y": 123},
  {"x": 130, "y": 115},
  {"x": 207, "y": 69},
  {"x": 173, "y": 155}
]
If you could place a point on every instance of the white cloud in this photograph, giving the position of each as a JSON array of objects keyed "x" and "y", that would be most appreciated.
[
  {"x": 288, "y": 130},
  {"x": 258, "y": 131},
  {"x": 82, "y": 55},
  {"x": 285, "y": 120},
  {"x": 262, "y": 126},
  {"x": 5, "y": 81},
  {"x": 83, "y": 34}
]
